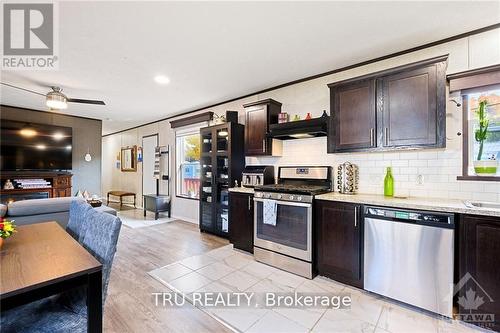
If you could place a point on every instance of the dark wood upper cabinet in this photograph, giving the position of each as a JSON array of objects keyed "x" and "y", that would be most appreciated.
[
  {"x": 241, "y": 221},
  {"x": 399, "y": 108},
  {"x": 259, "y": 115},
  {"x": 338, "y": 232},
  {"x": 479, "y": 248},
  {"x": 412, "y": 107},
  {"x": 352, "y": 125}
]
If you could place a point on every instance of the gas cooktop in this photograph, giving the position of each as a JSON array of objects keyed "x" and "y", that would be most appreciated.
[{"x": 294, "y": 188}]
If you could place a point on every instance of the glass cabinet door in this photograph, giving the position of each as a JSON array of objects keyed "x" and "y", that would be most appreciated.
[{"x": 207, "y": 181}]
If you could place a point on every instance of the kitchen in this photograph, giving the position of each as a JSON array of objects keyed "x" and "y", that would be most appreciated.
[
  {"x": 329, "y": 221},
  {"x": 337, "y": 236}
]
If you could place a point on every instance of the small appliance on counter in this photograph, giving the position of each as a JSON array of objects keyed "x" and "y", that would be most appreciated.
[
  {"x": 256, "y": 175},
  {"x": 347, "y": 178}
]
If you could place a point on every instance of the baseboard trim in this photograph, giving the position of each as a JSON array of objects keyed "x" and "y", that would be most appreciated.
[{"x": 187, "y": 219}]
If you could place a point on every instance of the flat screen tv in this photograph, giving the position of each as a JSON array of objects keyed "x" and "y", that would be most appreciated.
[{"x": 30, "y": 146}]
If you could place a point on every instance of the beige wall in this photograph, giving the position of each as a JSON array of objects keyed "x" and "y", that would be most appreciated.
[{"x": 438, "y": 166}]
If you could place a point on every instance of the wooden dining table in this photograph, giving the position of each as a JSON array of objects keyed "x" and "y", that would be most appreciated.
[{"x": 41, "y": 260}]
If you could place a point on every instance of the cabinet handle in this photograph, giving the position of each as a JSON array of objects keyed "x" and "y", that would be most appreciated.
[
  {"x": 386, "y": 137},
  {"x": 355, "y": 216},
  {"x": 371, "y": 137},
  {"x": 264, "y": 145},
  {"x": 249, "y": 204}
]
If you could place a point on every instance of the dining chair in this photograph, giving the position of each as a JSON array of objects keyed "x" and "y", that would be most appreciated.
[
  {"x": 67, "y": 312},
  {"x": 77, "y": 223}
]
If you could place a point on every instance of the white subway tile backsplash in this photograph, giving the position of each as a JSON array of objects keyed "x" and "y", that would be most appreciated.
[
  {"x": 417, "y": 163},
  {"x": 483, "y": 196},
  {"x": 473, "y": 187},
  {"x": 492, "y": 188},
  {"x": 437, "y": 163},
  {"x": 400, "y": 163},
  {"x": 426, "y": 171},
  {"x": 408, "y": 155},
  {"x": 428, "y": 155}
]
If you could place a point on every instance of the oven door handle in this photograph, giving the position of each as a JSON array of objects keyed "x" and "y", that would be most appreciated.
[{"x": 286, "y": 203}]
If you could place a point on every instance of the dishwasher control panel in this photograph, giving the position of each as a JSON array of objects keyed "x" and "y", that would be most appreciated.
[{"x": 410, "y": 215}]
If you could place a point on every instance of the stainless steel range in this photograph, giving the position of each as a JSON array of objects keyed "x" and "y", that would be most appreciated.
[{"x": 283, "y": 218}]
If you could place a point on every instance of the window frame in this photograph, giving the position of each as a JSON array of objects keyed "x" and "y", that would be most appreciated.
[
  {"x": 465, "y": 134},
  {"x": 184, "y": 132}
]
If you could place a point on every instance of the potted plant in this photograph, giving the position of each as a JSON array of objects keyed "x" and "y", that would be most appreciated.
[
  {"x": 7, "y": 228},
  {"x": 486, "y": 167}
]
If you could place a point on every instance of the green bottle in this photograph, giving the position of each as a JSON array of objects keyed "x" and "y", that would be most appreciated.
[{"x": 389, "y": 183}]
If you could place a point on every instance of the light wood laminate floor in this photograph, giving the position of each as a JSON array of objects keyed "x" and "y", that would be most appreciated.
[{"x": 130, "y": 304}]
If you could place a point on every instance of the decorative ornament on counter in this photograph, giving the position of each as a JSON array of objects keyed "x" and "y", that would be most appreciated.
[
  {"x": 324, "y": 114},
  {"x": 308, "y": 116},
  {"x": 8, "y": 185},
  {"x": 282, "y": 117},
  {"x": 296, "y": 118}
]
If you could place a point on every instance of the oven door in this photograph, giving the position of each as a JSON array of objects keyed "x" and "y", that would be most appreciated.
[{"x": 292, "y": 233}]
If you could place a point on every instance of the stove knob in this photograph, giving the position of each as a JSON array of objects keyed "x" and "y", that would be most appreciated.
[
  {"x": 299, "y": 198},
  {"x": 279, "y": 196},
  {"x": 268, "y": 196},
  {"x": 291, "y": 197}
]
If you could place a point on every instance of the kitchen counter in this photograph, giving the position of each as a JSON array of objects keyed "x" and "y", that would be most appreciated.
[
  {"x": 430, "y": 204},
  {"x": 247, "y": 190}
]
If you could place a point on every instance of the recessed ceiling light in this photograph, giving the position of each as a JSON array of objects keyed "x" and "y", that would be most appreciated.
[
  {"x": 58, "y": 136},
  {"x": 41, "y": 147},
  {"x": 162, "y": 79},
  {"x": 28, "y": 132}
]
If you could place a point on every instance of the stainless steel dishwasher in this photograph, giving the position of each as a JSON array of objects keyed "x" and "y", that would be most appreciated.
[{"x": 408, "y": 256}]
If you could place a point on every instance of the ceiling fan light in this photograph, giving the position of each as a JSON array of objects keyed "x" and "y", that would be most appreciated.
[{"x": 56, "y": 100}]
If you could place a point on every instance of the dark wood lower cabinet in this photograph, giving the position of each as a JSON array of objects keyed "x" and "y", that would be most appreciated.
[
  {"x": 338, "y": 232},
  {"x": 241, "y": 221},
  {"x": 479, "y": 269}
]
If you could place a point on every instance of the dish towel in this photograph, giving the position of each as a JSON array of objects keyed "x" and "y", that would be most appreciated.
[{"x": 269, "y": 209}]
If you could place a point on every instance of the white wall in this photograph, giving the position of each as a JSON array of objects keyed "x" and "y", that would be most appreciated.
[{"x": 440, "y": 167}]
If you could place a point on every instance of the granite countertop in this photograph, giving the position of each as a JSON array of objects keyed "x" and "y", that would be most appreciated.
[
  {"x": 431, "y": 204},
  {"x": 248, "y": 190}
]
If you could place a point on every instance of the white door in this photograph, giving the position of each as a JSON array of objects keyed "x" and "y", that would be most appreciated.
[{"x": 149, "y": 144}]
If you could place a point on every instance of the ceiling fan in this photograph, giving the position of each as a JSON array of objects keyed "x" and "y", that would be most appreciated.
[{"x": 55, "y": 99}]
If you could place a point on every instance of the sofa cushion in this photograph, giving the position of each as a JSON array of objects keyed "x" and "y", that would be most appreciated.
[
  {"x": 3, "y": 210},
  {"x": 39, "y": 206}
]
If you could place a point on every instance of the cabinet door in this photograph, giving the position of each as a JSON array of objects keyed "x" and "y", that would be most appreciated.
[
  {"x": 256, "y": 126},
  {"x": 241, "y": 221},
  {"x": 352, "y": 124},
  {"x": 479, "y": 256},
  {"x": 411, "y": 106},
  {"x": 339, "y": 241}
]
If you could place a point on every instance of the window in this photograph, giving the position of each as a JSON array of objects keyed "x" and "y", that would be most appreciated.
[
  {"x": 188, "y": 163},
  {"x": 483, "y": 142}
]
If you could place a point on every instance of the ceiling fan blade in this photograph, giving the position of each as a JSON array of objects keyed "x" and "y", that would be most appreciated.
[
  {"x": 85, "y": 101},
  {"x": 15, "y": 87}
]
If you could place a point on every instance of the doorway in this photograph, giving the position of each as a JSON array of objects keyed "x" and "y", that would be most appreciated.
[{"x": 149, "y": 144}]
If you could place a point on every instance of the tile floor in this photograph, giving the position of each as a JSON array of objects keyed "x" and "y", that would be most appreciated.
[
  {"x": 134, "y": 218},
  {"x": 228, "y": 270}
]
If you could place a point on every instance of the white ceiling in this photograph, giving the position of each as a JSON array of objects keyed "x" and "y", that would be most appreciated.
[{"x": 213, "y": 51}]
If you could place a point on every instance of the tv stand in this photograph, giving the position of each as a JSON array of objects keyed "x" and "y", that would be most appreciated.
[{"x": 60, "y": 185}]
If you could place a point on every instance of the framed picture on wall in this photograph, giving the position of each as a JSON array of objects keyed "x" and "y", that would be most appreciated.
[{"x": 129, "y": 159}]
